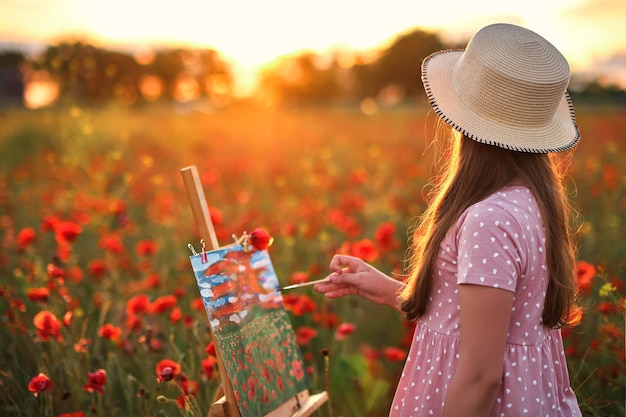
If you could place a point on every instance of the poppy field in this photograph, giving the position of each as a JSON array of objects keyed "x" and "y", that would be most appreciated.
[{"x": 100, "y": 313}]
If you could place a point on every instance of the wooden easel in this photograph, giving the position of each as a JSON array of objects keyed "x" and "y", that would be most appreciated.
[{"x": 302, "y": 405}]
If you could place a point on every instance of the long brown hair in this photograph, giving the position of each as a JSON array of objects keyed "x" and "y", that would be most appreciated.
[{"x": 472, "y": 172}]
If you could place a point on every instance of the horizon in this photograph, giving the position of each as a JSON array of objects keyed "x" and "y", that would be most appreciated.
[{"x": 251, "y": 36}]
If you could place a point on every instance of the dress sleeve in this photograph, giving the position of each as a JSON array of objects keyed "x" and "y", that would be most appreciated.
[{"x": 489, "y": 247}]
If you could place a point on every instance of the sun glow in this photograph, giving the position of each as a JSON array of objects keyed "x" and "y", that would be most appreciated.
[{"x": 251, "y": 34}]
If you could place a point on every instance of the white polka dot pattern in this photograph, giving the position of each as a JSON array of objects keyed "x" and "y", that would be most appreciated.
[{"x": 498, "y": 242}]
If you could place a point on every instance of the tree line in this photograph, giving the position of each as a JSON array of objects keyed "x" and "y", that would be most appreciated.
[{"x": 88, "y": 74}]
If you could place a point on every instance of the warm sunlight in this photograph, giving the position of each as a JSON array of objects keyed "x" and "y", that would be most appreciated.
[{"x": 251, "y": 34}]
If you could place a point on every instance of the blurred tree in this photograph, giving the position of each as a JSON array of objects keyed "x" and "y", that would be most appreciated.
[
  {"x": 188, "y": 74},
  {"x": 167, "y": 65},
  {"x": 598, "y": 92},
  {"x": 90, "y": 74},
  {"x": 11, "y": 78},
  {"x": 95, "y": 75},
  {"x": 391, "y": 76},
  {"x": 397, "y": 66}
]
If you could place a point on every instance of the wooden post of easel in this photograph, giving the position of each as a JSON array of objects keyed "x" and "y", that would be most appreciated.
[
  {"x": 303, "y": 405},
  {"x": 227, "y": 405}
]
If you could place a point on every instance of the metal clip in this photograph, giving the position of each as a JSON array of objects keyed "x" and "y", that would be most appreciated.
[{"x": 205, "y": 258}]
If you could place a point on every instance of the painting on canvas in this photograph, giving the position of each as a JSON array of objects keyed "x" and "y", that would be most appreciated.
[{"x": 252, "y": 330}]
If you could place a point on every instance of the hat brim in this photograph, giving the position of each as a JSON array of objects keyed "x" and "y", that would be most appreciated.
[{"x": 560, "y": 134}]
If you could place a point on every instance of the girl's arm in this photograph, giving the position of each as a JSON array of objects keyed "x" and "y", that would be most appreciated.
[{"x": 485, "y": 316}]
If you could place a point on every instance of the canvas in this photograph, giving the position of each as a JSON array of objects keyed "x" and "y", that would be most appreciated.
[{"x": 251, "y": 328}]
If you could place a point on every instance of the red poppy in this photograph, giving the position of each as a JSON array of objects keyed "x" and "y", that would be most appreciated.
[
  {"x": 75, "y": 274},
  {"x": 343, "y": 222},
  {"x": 146, "y": 248},
  {"x": 326, "y": 319},
  {"x": 138, "y": 304},
  {"x": 67, "y": 231},
  {"x": 47, "y": 325},
  {"x": 111, "y": 243},
  {"x": 260, "y": 239},
  {"x": 76, "y": 414},
  {"x": 167, "y": 370},
  {"x": 304, "y": 335},
  {"x": 97, "y": 268},
  {"x": 365, "y": 249},
  {"x": 133, "y": 323},
  {"x": 110, "y": 332},
  {"x": 18, "y": 304},
  {"x": 189, "y": 387},
  {"x": 585, "y": 272},
  {"x": 298, "y": 277},
  {"x": 197, "y": 304},
  {"x": 384, "y": 236},
  {"x": 209, "y": 365},
  {"x": 163, "y": 304},
  {"x": 156, "y": 345},
  {"x": 607, "y": 307},
  {"x": 39, "y": 383},
  {"x": 55, "y": 271},
  {"x": 188, "y": 321},
  {"x": 81, "y": 345},
  {"x": 176, "y": 315},
  {"x": 25, "y": 238},
  {"x": 370, "y": 353},
  {"x": 67, "y": 318},
  {"x": 38, "y": 294},
  {"x": 299, "y": 304},
  {"x": 152, "y": 281},
  {"x": 617, "y": 283},
  {"x": 178, "y": 292},
  {"x": 96, "y": 381},
  {"x": 64, "y": 252},
  {"x": 394, "y": 354},
  {"x": 49, "y": 223},
  {"x": 117, "y": 207},
  {"x": 343, "y": 330},
  {"x": 80, "y": 217},
  {"x": 97, "y": 300},
  {"x": 210, "y": 348},
  {"x": 216, "y": 216}
]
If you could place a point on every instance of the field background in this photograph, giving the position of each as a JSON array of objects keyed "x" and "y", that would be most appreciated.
[{"x": 94, "y": 228}]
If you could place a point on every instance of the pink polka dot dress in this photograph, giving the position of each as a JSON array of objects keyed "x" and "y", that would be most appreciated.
[{"x": 498, "y": 242}]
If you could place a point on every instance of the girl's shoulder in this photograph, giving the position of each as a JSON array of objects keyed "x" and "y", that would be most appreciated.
[
  {"x": 509, "y": 207},
  {"x": 513, "y": 199}
]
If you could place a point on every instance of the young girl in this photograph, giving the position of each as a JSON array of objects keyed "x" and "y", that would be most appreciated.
[{"x": 492, "y": 274}]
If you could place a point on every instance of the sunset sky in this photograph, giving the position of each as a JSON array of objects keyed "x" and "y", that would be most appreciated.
[{"x": 250, "y": 33}]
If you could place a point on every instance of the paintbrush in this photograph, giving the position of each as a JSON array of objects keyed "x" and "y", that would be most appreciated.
[
  {"x": 319, "y": 281},
  {"x": 304, "y": 284}
]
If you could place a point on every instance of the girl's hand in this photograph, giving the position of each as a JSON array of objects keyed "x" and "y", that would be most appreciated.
[{"x": 353, "y": 276}]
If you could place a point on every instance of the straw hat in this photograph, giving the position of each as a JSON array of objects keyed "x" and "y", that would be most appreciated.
[{"x": 507, "y": 88}]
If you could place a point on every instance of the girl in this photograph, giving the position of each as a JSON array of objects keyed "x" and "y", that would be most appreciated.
[{"x": 492, "y": 272}]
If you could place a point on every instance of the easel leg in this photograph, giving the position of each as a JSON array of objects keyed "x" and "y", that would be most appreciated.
[{"x": 217, "y": 406}]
